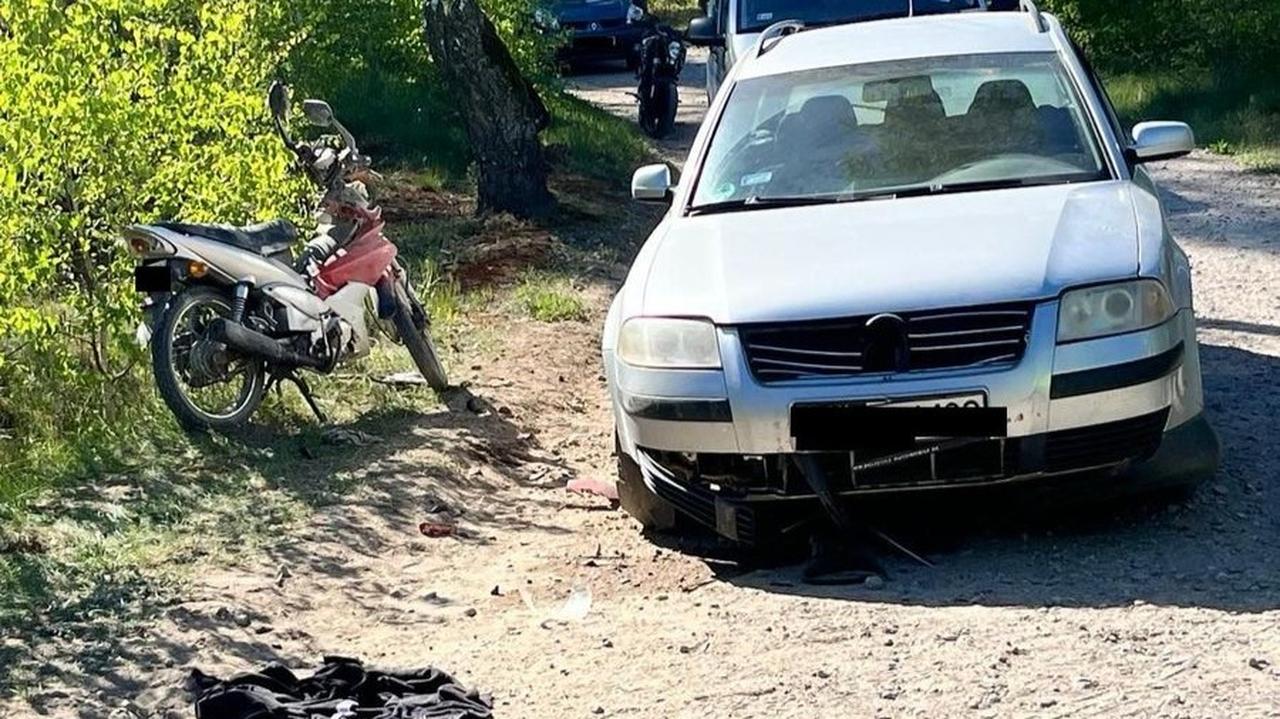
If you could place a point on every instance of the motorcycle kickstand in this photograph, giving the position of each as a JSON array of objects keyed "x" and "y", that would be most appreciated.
[{"x": 303, "y": 388}]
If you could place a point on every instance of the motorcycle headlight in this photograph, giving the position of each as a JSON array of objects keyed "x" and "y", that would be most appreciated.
[
  {"x": 674, "y": 50},
  {"x": 1112, "y": 309},
  {"x": 669, "y": 343},
  {"x": 634, "y": 13}
]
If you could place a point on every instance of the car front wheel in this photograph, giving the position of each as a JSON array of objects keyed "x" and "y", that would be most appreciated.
[{"x": 654, "y": 513}]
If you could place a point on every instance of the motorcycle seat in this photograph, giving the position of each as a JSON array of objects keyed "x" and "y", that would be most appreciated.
[{"x": 265, "y": 238}]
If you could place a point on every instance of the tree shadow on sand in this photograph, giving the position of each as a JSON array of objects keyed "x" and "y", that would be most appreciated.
[{"x": 398, "y": 463}]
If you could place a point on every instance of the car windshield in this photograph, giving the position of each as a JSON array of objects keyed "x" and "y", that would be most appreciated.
[
  {"x": 902, "y": 127},
  {"x": 756, "y": 15}
]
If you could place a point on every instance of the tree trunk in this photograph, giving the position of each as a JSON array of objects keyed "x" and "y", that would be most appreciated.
[{"x": 501, "y": 109}]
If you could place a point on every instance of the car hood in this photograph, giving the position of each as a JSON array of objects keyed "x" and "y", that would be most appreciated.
[
  {"x": 891, "y": 255},
  {"x": 589, "y": 11}
]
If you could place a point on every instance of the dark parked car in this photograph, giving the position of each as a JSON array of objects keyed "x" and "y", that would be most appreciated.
[{"x": 598, "y": 29}]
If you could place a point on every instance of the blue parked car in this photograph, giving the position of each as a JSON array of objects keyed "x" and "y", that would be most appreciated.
[{"x": 598, "y": 29}]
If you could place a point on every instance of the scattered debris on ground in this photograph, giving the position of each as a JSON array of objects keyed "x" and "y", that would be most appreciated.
[
  {"x": 402, "y": 379},
  {"x": 348, "y": 436}
]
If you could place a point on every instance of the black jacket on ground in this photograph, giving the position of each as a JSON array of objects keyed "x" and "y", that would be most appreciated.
[{"x": 342, "y": 688}]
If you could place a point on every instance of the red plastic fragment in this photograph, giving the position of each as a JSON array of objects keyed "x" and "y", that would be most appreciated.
[
  {"x": 588, "y": 485},
  {"x": 435, "y": 530}
]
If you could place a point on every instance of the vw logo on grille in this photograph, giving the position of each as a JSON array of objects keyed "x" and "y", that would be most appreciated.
[
  {"x": 594, "y": 26},
  {"x": 885, "y": 348}
]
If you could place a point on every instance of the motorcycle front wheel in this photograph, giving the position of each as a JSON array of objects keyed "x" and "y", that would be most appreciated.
[
  {"x": 416, "y": 336},
  {"x": 206, "y": 385},
  {"x": 660, "y": 118}
]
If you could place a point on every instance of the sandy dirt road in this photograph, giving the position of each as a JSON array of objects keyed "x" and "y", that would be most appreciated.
[{"x": 1164, "y": 611}]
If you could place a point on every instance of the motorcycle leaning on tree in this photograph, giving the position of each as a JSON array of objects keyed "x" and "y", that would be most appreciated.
[
  {"x": 662, "y": 55},
  {"x": 231, "y": 312}
]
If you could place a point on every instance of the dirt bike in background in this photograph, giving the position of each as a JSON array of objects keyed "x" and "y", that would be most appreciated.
[
  {"x": 662, "y": 54},
  {"x": 230, "y": 311}
]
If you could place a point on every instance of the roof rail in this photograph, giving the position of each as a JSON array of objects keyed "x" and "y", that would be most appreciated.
[
  {"x": 1037, "y": 21},
  {"x": 776, "y": 32}
]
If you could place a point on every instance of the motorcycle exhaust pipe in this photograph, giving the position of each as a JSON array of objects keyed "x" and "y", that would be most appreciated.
[{"x": 256, "y": 344}]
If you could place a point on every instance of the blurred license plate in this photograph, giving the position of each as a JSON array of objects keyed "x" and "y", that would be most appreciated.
[
  {"x": 894, "y": 423},
  {"x": 974, "y": 400},
  {"x": 152, "y": 278}
]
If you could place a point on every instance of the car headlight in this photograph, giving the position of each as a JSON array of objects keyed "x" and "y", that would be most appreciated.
[
  {"x": 669, "y": 343},
  {"x": 545, "y": 20},
  {"x": 674, "y": 50},
  {"x": 1112, "y": 309},
  {"x": 635, "y": 13}
]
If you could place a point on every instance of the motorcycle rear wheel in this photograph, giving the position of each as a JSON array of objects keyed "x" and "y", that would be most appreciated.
[
  {"x": 178, "y": 351},
  {"x": 418, "y": 341}
]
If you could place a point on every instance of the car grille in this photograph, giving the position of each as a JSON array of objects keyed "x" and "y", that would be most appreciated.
[
  {"x": 983, "y": 461},
  {"x": 935, "y": 339},
  {"x": 1104, "y": 444}
]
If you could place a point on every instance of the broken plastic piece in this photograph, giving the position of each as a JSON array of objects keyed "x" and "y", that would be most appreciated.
[
  {"x": 587, "y": 485},
  {"x": 435, "y": 530}
]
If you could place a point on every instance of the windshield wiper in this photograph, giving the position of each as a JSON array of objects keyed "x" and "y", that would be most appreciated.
[
  {"x": 755, "y": 201},
  {"x": 981, "y": 185},
  {"x": 884, "y": 193}
]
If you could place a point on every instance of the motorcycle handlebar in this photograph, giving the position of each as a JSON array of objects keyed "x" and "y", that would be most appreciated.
[
  {"x": 328, "y": 166},
  {"x": 311, "y": 154},
  {"x": 347, "y": 138}
]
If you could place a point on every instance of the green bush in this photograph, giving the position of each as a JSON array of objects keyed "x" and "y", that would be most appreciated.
[
  {"x": 112, "y": 112},
  {"x": 1207, "y": 62},
  {"x": 1175, "y": 35},
  {"x": 1238, "y": 116},
  {"x": 367, "y": 58}
]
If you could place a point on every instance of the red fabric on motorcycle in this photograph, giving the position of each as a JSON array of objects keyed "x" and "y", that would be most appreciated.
[
  {"x": 342, "y": 688},
  {"x": 365, "y": 260}
]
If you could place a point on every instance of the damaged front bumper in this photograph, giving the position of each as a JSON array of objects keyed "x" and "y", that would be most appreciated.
[
  {"x": 737, "y": 495},
  {"x": 718, "y": 445}
]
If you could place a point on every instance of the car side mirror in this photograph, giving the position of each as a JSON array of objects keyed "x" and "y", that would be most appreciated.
[
  {"x": 318, "y": 112},
  {"x": 278, "y": 100},
  {"x": 1161, "y": 141},
  {"x": 652, "y": 183},
  {"x": 702, "y": 32}
]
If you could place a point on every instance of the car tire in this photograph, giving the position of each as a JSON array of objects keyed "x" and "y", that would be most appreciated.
[
  {"x": 1188, "y": 457},
  {"x": 654, "y": 513}
]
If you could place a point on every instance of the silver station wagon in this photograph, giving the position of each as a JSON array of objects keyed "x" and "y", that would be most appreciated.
[{"x": 911, "y": 254}]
